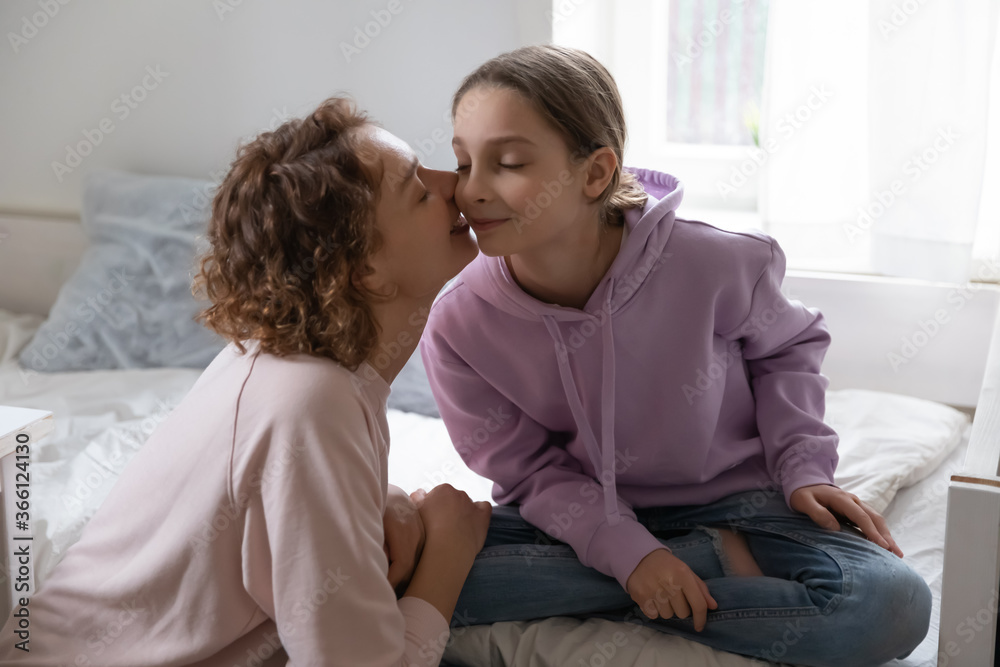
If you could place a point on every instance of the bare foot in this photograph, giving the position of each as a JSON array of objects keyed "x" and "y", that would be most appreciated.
[{"x": 741, "y": 561}]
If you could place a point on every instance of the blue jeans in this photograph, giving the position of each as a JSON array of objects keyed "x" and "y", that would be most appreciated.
[{"x": 827, "y": 597}]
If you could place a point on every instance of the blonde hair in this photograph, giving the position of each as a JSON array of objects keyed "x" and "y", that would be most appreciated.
[{"x": 579, "y": 98}]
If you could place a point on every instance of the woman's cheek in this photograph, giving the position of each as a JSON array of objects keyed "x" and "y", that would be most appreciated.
[{"x": 460, "y": 196}]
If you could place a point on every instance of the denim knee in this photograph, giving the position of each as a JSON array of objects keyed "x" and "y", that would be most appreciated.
[
  {"x": 887, "y": 616},
  {"x": 909, "y": 615}
]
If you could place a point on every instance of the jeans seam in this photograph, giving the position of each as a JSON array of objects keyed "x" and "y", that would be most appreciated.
[
  {"x": 686, "y": 544},
  {"x": 763, "y": 612}
]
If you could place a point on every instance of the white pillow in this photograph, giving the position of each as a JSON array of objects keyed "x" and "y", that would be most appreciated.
[{"x": 889, "y": 441}]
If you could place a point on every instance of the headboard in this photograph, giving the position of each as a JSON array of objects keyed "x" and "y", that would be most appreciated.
[
  {"x": 928, "y": 340},
  {"x": 37, "y": 255}
]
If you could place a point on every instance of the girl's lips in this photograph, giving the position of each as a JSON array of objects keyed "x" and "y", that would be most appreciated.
[{"x": 486, "y": 224}]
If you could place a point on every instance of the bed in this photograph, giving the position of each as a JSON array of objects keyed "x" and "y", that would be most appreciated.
[{"x": 902, "y": 402}]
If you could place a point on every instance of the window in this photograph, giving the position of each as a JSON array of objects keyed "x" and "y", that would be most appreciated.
[
  {"x": 836, "y": 125},
  {"x": 715, "y": 69},
  {"x": 690, "y": 73}
]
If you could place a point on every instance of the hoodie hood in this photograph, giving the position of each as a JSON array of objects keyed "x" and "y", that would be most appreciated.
[{"x": 648, "y": 230}]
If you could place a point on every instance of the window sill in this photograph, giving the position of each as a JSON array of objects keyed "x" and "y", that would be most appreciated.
[{"x": 822, "y": 248}]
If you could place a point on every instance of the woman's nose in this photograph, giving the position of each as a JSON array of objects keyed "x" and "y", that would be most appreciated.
[
  {"x": 449, "y": 180},
  {"x": 442, "y": 182}
]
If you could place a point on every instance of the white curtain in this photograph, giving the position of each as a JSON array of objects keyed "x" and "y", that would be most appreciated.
[{"x": 875, "y": 118}]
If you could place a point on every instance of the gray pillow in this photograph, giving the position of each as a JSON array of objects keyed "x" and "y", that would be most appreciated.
[
  {"x": 129, "y": 303},
  {"x": 411, "y": 390}
]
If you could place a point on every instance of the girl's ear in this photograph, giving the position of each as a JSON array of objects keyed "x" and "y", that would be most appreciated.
[{"x": 601, "y": 165}]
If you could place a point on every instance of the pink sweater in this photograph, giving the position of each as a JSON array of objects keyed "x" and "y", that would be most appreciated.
[{"x": 251, "y": 520}]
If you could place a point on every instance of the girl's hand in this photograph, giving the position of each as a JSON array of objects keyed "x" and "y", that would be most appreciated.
[
  {"x": 404, "y": 537},
  {"x": 664, "y": 586},
  {"x": 822, "y": 501}
]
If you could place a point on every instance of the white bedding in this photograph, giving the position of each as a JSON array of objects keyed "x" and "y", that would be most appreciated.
[{"x": 102, "y": 417}]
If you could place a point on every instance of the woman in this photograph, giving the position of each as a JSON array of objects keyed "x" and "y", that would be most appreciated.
[{"x": 252, "y": 519}]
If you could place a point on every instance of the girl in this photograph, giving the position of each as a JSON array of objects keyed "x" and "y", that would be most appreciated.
[
  {"x": 253, "y": 518},
  {"x": 640, "y": 388}
]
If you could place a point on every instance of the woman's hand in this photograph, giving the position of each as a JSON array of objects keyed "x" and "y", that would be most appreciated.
[
  {"x": 822, "y": 501},
  {"x": 450, "y": 516},
  {"x": 456, "y": 530},
  {"x": 404, "y": 537},
  {"x": 664, "y": 586}
]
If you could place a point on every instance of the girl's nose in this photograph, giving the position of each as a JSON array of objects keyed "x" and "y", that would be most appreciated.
[{"x": 474, "y": 189}]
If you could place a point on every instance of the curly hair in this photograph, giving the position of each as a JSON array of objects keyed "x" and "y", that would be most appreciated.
[
  {"x": 291, "y": 231},
  {"x": 578, "y": 97}
]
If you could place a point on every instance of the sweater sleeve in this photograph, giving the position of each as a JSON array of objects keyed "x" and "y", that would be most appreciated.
[
  {"x": 784, "y": 343},
  {"x": 312, "y": 545},
  {"x": 530, "y": 466}
]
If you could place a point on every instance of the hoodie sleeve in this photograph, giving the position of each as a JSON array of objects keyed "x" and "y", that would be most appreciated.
[
  {"x": 784, "y": 343},
  {"x": 530, "y": 466}
]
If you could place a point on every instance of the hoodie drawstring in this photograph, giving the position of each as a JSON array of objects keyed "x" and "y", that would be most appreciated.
[
  {"x": 608, "y": 414},
  {"x": 602, "y": 455}
]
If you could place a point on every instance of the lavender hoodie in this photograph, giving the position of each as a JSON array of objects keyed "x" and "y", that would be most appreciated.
[{"x": 688, "y": 376}]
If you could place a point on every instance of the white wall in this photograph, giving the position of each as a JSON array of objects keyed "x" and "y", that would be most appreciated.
[{"x": 232, "y": 68}]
